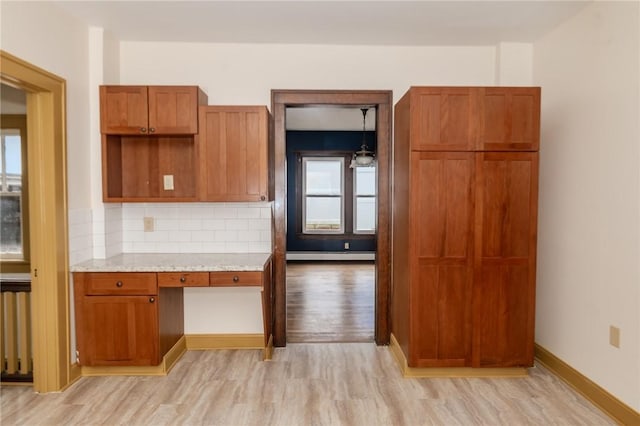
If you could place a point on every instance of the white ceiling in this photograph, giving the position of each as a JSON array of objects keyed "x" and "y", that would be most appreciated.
[{"x": 357, "y": 22}]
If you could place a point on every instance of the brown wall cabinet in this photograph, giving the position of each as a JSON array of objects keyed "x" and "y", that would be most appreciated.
[
  {"x": 149, "y": 151},
  {"x": 464, "y": 224},
  {"x": 234, "y": 147}
]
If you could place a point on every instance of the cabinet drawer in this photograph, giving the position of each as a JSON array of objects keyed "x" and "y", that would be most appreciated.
[
  {"x": 107, "y": 283},
  {"x": 183, "y": 279},
  {"x": 230, "y": 279}
]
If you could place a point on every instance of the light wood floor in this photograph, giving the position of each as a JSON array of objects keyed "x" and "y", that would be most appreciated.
[
  {"x": 330, "y": 302},
  {"x": 304, "y": 384}
]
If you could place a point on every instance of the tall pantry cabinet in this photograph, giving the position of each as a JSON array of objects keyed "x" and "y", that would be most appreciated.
[{"x": 464, "y": 225}]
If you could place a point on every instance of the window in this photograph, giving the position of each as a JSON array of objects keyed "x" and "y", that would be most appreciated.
[
  {"x": 323, "y": 195},
  {"x": 334, "y": 200},
  {"x": 13, "y": 201},
  {"x": 364, "y": 209}
]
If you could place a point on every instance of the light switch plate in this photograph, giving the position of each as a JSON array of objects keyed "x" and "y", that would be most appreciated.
[
  {"x": 614, "y": 336},
  {"x": 168, "y": 182}
]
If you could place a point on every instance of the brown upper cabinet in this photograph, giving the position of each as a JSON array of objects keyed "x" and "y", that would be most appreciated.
[
  {"x": 441, "y": 118},
  {"x": 510, "y": 119},
  {"x": 152, "y": 110},
  {"x": 234, "y": 148},
  {"x": 149, "y": 151},
  {"x": 472, "y": 118}
]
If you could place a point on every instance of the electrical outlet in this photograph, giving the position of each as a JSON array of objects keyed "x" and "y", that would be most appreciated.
[
  {"x": 614, "y": 336},
  {"x": 346, "y": 246},
  {"x": 168, "y": 182},
  {"x": 148, "y": 224}
]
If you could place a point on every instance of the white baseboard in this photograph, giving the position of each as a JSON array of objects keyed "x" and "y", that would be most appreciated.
[{"x": 314, "y": 255}]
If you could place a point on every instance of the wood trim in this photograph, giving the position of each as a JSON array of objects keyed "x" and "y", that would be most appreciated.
[
  {"x": 162, "y": 369},
  {"x": 451, "y": 372},
  {"x": 382, "y": 100},
  {"x": 46, "y": 129},
  {"x": 224, "y": 341},
  {"x": 608, "y": 403}
]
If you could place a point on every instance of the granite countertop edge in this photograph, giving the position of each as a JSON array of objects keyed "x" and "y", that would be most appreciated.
[{"x": 175, "y": 262}]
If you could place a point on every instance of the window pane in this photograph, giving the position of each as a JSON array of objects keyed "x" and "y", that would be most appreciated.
[
  {"x": 11, "y": 195},
  {"x": 365, "y": 180},
  {"x": 365, "y": 214},
  {"x": 323, "y": 214},
  {"x": 14, "y": 162},
  {"x": 323, "y": 176},
  {"x": 10, "y": 226}
]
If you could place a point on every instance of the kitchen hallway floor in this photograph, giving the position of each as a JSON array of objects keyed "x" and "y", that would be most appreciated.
[{"x": 304, "y": 384}]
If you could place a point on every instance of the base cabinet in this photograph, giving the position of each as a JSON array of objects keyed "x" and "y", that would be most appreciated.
[
  {"x": 123, "y": 319},
  {"x": 136, "y": 318},
  {"x": 119, "y": 330},
  {"x": 465, "y": 226}
]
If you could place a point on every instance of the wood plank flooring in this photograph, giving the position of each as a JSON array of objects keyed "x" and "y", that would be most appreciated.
[
  {"x": 330, "y": 302},
  {"x": 305, "y": 384}
]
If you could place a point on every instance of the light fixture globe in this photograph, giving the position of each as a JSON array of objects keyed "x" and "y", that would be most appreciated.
[{"x": 364, "y": 157}]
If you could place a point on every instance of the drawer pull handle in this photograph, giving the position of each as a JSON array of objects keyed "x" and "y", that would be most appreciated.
[
  {"x": 236, "y": 278},
  {"x": 119, "y": 284},
  {"x": 183, "y": 279},
  {"x": 152, "y": 299}
]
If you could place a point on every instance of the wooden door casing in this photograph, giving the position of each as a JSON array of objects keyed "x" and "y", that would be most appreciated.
[
  {"x": 441, "y": 233},
  {"x": 505, "y": 259}
]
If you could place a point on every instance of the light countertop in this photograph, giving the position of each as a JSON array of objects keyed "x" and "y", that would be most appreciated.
[{"x": 175, "y": 262}]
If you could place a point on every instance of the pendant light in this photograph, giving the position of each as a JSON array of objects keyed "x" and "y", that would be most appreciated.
[{"x": 364, "y": 157}]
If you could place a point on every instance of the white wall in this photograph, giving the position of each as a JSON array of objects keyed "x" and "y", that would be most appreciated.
[
  {"x": 589, "y": 219},
  {"x": 245, "y": 74},
  {"x": 41, "y": 34}
]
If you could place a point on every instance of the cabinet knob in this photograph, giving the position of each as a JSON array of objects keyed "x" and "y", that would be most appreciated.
[
  {"x": 143, "y": 130},
  {"x": 119, "y": 284},
  {"x": 262, "y": 197},
  {"x": 236, "y": 278},
  {"x": 183, "y": 279},
  {"x": 152, "y": 299},
  {"x": 152, "y": 129}
]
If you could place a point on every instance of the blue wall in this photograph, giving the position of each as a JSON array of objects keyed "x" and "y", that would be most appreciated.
[{"x": 298, "y": 140}]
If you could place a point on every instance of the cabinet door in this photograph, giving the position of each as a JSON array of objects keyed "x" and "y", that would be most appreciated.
[
  {"x": 234, "y": 163},
  {"x": 443, "y": 118},
  {"x": 442, "y": 243},
  {"x": 510, "y": 119},
  {"x": 505, "y": 260},
  {"x": 173, "y": 110},
  {"x": 123, "y": 110},
  {"x": 118, "y": 330}
]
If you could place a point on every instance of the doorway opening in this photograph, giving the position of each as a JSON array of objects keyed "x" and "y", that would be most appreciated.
[{"x": 379, "y": 270}]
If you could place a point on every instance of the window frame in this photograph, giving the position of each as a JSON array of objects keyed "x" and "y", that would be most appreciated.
[
  {"x": 23, "y": 263},
  {"x": 341, "y": 196},
  {"x": 349, "y": 199}
]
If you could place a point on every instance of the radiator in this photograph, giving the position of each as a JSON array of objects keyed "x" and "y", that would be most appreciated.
[{"x": 15, "y": 340}]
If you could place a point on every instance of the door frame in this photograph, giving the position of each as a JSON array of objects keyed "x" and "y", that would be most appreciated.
[
  {"x": 382, "y": 101},
  {"x": 47, "y": 175}
]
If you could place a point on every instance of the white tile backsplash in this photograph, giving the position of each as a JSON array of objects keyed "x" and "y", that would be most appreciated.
[
  {"x": 197, "y": 228},
  {"x": 80, "y": 235}
]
